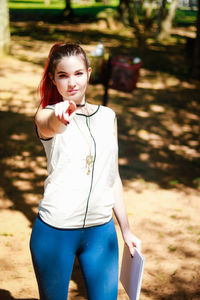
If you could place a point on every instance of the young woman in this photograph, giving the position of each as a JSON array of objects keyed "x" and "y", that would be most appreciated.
[{"x": 83, "y": 184}]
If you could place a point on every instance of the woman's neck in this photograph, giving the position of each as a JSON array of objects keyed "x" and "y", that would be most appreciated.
[
  {"x": 80, "y": 105},
  {"x": 88, "y": 109}
]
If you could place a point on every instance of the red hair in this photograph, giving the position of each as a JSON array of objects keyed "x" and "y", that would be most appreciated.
[{"x": 47, "y": 89}]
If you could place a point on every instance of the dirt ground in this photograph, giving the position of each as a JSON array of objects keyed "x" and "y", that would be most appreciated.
[{"x": 159, "y": 165}]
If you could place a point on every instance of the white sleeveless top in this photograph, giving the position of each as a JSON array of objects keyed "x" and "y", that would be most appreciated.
[{"x": 72, "y": 198}]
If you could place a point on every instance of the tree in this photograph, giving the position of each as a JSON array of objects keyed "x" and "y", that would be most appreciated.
[
  {"x": 4, "y": 28},
  {"x": 167, "y": 19},
  {"x": 143, "y": 14},
  {"x": 132, "y": 12},
  {"x": 68, "y": 10},
  {"x": 196, "y": 58},
  {"x": 161, "y": 15}
]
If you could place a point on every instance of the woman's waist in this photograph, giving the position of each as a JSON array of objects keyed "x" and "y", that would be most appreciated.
[{"x": 75, "y": 219}]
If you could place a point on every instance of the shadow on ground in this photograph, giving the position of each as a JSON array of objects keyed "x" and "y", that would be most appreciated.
[
  {"x": 170, "y": 58},
  {"x": 181, "y": 294},
  {"x": 158, "y": 142},
  {"x": 5, "y": 295},
  {"x": 159, "y": 136}
]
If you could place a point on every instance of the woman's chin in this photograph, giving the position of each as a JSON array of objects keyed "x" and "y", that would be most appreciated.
[{"x": 77, "y": 99}]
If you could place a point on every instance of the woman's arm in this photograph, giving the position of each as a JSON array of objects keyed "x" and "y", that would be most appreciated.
[
  {"x": 50, "y": 122},
  {"x": 120, "y": 212}
]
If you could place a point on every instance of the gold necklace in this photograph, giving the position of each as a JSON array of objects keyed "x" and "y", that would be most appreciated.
[{"x": 89, "y": 158}]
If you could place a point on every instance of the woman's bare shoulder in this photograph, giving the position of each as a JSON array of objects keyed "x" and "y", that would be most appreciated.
[{"x": 42, "y": 114}]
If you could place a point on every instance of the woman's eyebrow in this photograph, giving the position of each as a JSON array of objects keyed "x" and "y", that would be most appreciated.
[{"x": 61, "y": 72}]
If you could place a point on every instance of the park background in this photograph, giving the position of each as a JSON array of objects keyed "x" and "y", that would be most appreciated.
[{"x": 158, "y": 133}]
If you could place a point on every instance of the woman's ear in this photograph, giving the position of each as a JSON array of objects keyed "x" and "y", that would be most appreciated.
[
  {"x": 51, "y": 77},
  {"x": 89, "y": 73}
]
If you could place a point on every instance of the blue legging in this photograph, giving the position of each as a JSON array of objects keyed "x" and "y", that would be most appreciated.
[{"x": 53, "y": 252}]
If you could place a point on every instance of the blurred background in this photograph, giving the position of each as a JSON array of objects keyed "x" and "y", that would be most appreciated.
[{"x": 145, "y": 57}]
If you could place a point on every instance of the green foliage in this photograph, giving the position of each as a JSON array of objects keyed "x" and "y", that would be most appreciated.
[
  {"x": 196, "y": 182},
  {"x": 6, "y": 234},
  {"x": 93, "y": 9},
  {"x": 185, "y": 17},
  {"x": 79, "y": 9},
  {"x": 38, "y": 10},
  {"x": 173, "y": 216},
  {"x": 171, "y": 248},
  {"x": 89, "y": 10},
  {"x": 190, "y": 228},
  {"x": 174, "y": 272},
  {"x": 174, "y": 182},
  {"x": 36, "y": 4}
]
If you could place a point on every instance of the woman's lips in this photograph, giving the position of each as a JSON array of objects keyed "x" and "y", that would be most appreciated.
[{"x": 72, "y": 91}]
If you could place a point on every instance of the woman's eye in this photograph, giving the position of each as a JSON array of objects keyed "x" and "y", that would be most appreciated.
[
  {"x": 79, "y": 73},
  {"x": 62, "y": 76}
]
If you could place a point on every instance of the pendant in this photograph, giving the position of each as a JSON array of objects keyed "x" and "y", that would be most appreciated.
[{"x": 89, "y": 161}]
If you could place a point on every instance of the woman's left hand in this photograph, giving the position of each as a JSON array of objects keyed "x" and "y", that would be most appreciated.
[{"x": 131, "y": 241}]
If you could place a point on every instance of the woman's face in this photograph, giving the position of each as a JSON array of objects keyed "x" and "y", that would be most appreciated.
[{"x": 71, "y": 78}]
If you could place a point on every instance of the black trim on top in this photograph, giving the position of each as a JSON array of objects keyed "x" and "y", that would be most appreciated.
[
  {"x": 91, "y": 114},
  {"x": 36, "y": 130},
  {"x": 73, "y": 228},
  {"x": 92, "y": 173}
]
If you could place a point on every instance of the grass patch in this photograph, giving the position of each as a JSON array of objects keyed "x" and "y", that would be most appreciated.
[
  {"x": 174, "y": 182},
  {"x": 185, "y": 17},
  {"x": 173, "y": 216},
  {"x": 56, "y": 6},
  {"x": 171, "y": 248},
  {"x": 35, "y": 4},
  {"x": 6, "y": 234},
  {"x": 39, "y": 8}
]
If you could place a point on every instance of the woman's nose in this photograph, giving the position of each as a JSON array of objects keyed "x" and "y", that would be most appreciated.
[{"x": 71, "y": 82}]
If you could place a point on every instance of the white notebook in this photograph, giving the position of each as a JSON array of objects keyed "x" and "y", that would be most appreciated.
[{"x": 132, "y": 272}]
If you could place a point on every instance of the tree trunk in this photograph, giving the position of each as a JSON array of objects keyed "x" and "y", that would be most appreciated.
[
  {"x": 161, "y": 15},
  {"x": 68, "y": 10},
  {"x": 166, "y": 23},
  {"x": 139, "y": 30},
  {"x": 149, "y": 10},
  {"x": 4, "y": 28},
  {"x": 129, "y": 15},
  {"x": 196, "y": 60},
  {"x": 124, "y": 11}
]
